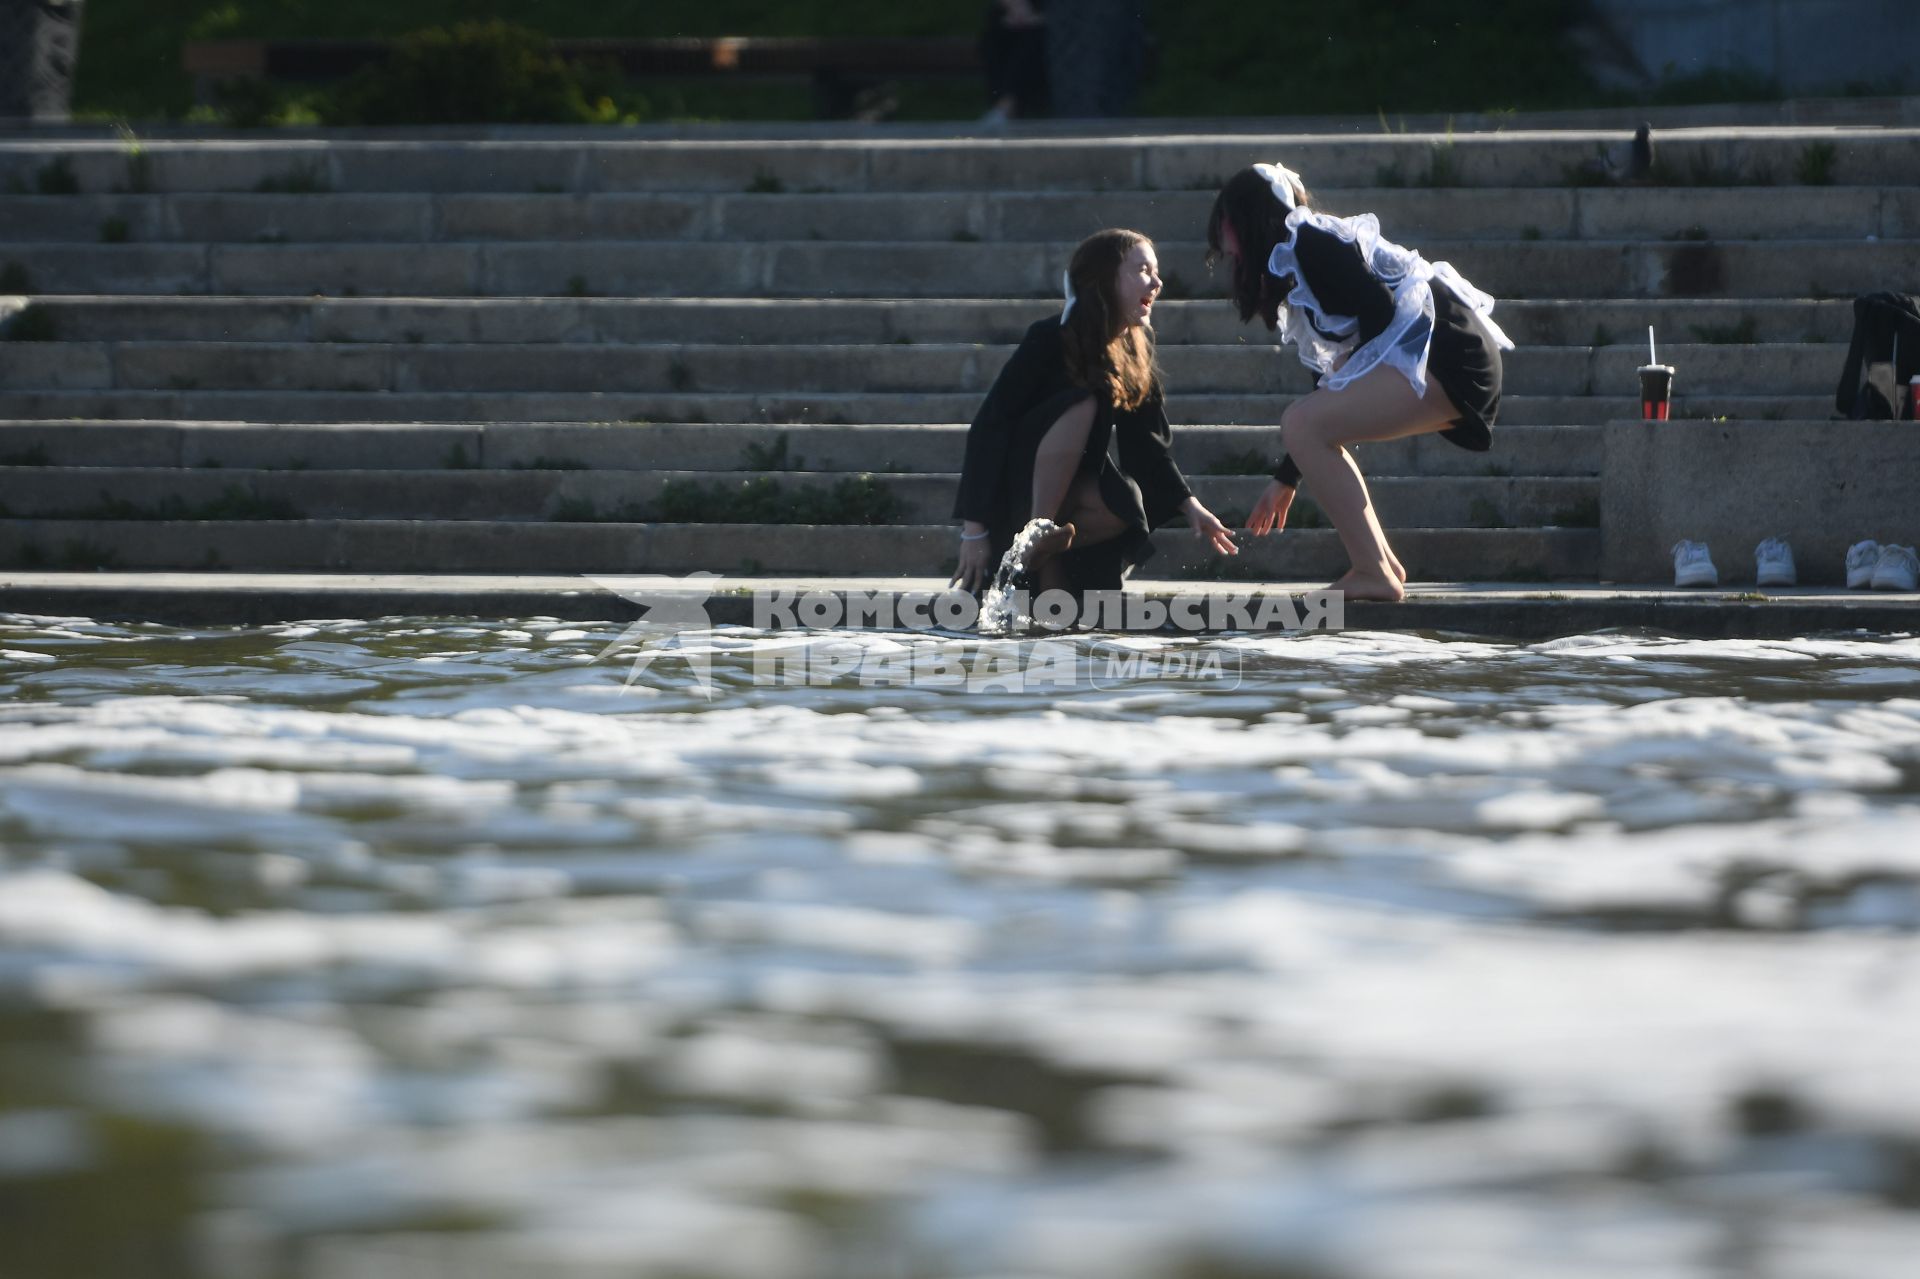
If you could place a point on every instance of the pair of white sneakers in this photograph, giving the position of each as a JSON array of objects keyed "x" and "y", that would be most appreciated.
[
  {"x": 1869, "y": 564},
  {"x": 1882, "y": 568}
]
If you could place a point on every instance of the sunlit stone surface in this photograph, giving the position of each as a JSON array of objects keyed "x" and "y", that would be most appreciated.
[{"x": 352, "y": 949}]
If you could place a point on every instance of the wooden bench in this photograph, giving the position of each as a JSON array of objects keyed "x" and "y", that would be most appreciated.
[{"x": 840, "y": 70}]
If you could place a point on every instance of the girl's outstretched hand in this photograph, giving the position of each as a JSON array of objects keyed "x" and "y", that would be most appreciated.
[
  {"x": 1208, "y": 528},
  {"x": 1269, "y": 514}
]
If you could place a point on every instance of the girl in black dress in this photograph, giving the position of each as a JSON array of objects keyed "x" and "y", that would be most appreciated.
[
  {"x": 1075, "y": 430},
  {"x": 1402, "y": 346}
]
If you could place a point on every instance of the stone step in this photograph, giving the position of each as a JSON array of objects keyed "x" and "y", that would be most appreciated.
[
  {"x": 1558, "y": 269},
  {"x": 624, "y": 447},
  {"x": 1171, "y": 162},
  {"x": 1538, "y": 322},
  {"x": 1514, "y": 610},
  {"x": 416, "y": 546},
  {"x": 593, "y": 496},
  {"x": 993, "y": 216},
  {"x": 805, "y": 408},
  {"x": 1799, "y": 368}
]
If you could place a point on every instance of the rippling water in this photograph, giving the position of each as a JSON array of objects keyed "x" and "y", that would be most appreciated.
[{"x": 349, "y": 949}]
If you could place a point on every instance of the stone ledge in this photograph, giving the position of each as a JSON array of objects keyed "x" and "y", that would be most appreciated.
[
  {"x": 1820, "y": 485},
  {"x": 1511, "y": 611}
]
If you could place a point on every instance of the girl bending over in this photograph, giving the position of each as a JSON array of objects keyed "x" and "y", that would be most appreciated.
[
  {"x": 1075, "y": 430},
  {"x": 1402, "y": 347}
]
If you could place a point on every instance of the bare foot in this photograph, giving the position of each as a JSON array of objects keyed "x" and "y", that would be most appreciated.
[
  {"x": 1047, "y": 548},
  {"x": 1370, "y": 586},
  {"x": 1399, "y": 569},
  {"x": 1048, "y": 545}
]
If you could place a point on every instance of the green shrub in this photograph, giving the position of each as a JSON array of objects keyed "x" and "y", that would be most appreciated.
[{"x": 474, "y": 73}]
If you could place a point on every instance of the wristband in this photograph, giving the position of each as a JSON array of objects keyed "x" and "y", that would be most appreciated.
[{"x": 974, "y": 537}]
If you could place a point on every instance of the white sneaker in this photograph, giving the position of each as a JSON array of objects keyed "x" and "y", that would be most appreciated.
[
  {"x": 1898, "y": 569},
  {"x": 1861, "y": 557},
  {"x": 1773, "y": 563},
  {"x": 1692, "y": 565}
]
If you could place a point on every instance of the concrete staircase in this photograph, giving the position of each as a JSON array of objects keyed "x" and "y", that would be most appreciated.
[{"x": 578, "y": 354}]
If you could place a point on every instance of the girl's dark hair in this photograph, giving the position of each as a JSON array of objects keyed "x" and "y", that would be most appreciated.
[
  {"x": 1104, "y": 353},
  {"x": 1259, "y": 221}
]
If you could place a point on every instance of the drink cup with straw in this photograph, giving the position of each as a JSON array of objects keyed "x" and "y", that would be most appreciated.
[{"x": 1656, "y": 385}]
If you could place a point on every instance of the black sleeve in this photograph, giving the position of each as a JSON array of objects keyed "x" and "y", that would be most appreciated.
[
  {"x": 1025, "y": 371},
  {"x": 1333, "y": 269},
  {"x": 1146, "y": 453},
  {"x": 1339, "y": 278}
]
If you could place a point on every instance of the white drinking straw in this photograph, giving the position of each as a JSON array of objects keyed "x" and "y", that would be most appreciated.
[{"x": 1651, "y": 357}]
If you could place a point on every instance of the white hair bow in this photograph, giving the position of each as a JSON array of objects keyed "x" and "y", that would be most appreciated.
[
  {"x": 1066, "y": 287},
  {"x": 1283, "y": 180}
]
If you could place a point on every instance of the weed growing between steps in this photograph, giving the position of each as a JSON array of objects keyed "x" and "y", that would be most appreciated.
[
  {"x": 56, "y": 177},
  {"x": 1482, "y": 513},
  {"x": 1585, "y": 513},
  {"x": 139, "y": 162},
  {"x": 1704, "y": 171},
  {"x": 854, "y": 499},
  {"x": 545, "y": 463},
  {"x": 1744, "y": 333},
  {"x": 770, "y": 457},
  {"x": 236, "y": 502},
  {"x": 1246, "y": 462},
  {"x": 74, "y": 553},
  {"x": 301, "y": 179},
  {"x": 1814, "y": 168}
]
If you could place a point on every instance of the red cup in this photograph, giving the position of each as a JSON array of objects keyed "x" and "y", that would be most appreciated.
[{"x": 1656, "y": 392}]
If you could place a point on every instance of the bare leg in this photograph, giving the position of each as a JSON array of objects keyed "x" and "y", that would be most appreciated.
[
  {"x": 1087, "y": 514},
  {"x": 1316, "y": 429},
  {"x": 1058, "y": 457},
  {"x": 1054, "y": 465}
]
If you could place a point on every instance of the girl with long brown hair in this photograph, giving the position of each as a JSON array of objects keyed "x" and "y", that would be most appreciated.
[
  {"x": 1401, "y": 346},
  {"x": 1075, "y": 430}
]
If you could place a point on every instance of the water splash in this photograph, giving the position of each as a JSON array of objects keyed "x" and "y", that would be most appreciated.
[{"x": 1000, "y": 612}]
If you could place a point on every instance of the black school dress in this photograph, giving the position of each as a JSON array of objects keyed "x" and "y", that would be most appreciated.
[
  {"x": 1352, "y": 287},
  {"x": 1129, "y": 451}
]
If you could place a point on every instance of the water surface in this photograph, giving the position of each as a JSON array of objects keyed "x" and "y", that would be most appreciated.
[{"x": 348, "y": 949}]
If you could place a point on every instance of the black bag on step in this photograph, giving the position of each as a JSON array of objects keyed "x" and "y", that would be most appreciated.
[{"x": 1874, "y": 379}]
